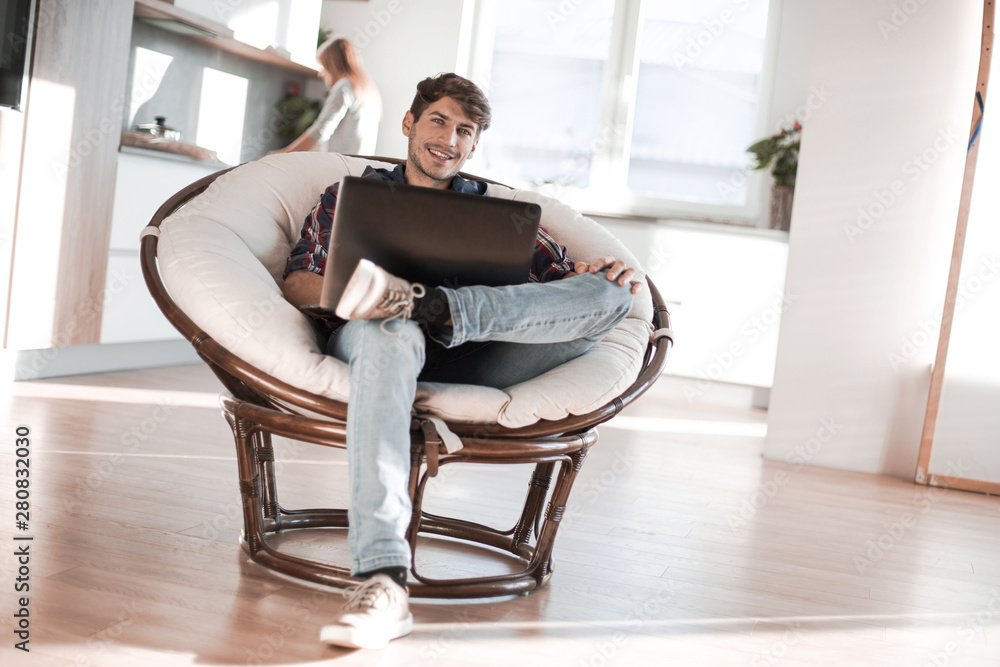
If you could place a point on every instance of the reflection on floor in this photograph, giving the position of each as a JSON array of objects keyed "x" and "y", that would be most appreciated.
[{"x": 680, "y": 546}]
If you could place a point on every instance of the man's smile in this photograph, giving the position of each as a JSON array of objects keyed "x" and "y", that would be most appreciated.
[{"x": 443, "y": 156}]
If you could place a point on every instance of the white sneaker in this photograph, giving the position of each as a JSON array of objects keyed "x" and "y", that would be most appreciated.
[
  {"x": 372, "y": 293},
  {"x": 377, "y": 612}
]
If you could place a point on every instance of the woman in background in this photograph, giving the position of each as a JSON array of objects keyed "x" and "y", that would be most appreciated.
[{"x": 348, "y": 121}]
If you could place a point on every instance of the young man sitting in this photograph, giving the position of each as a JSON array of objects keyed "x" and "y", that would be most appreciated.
[{"x": 493, "y": 336}]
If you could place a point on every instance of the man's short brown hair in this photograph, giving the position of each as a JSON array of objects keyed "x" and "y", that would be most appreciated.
[{"x": 469, "y": 96}]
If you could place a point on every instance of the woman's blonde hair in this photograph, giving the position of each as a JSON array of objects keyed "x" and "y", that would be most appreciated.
[{"x": 341, "y": 58}]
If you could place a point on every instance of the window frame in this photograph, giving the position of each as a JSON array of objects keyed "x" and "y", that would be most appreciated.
[{"x": 609, "y": 166}]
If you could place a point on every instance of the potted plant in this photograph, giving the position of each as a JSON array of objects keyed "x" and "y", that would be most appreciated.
[
  {"x": 295, "y": 113},
  {"x": 780, "y": 152}
]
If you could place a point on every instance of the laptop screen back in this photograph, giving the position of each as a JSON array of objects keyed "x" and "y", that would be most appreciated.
[{"x": 434, "y": 237}]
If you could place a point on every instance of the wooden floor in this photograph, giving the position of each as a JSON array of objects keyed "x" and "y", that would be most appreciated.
[{"x": 681, "y": 546}]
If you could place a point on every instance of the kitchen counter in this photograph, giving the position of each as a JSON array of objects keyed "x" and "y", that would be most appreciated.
[{"x": 177, "y": 157}]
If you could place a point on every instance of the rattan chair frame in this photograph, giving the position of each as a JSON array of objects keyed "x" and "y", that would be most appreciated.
[{"x": 260, "y": 406}]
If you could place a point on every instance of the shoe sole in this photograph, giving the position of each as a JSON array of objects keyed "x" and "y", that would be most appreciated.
[
  {"x": 356, "y": 289},
  {"x": 372, "y": 638}
]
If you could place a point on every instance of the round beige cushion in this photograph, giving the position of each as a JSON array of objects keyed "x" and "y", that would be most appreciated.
[{"x": 222, "y": 255}]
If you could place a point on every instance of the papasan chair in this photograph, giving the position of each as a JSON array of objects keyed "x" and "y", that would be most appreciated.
[{"x": 212, "y": 257}]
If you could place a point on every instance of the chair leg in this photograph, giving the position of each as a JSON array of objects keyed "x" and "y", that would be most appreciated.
[
  {"x": 416, "y": 498},
  {"x": 252, "y": 537},
  {"x": 264, "y": 454},
  {"x": 534, "y": 503},
  {"x": 541, "y": 561}
]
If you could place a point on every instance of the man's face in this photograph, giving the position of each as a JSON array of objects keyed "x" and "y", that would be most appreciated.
[{"x": 440, "y": 142}]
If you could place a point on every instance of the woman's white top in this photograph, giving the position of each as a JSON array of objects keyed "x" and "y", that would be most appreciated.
[{"x": 346, "y": 124}]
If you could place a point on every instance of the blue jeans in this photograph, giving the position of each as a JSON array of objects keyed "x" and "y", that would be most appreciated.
[{"x": 499, "y": 336}]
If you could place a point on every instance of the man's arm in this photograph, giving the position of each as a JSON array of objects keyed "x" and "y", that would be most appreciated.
[
  {"x": 302, "y": 288},
  {"x": 303, "y": 273},
  {"x": 550, "y": 261}
]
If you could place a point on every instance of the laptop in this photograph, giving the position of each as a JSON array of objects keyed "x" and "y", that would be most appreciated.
[{"x": 434, "y": 237}]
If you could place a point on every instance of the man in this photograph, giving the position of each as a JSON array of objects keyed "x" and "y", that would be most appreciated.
[{"x": 396, "y": 332}]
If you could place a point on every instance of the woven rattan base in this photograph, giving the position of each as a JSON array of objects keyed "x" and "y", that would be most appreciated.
[{"x": 528, "y": 544}]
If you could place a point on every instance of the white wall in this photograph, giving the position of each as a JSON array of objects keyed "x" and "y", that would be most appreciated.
[
  {"x": 898, "y": 86},
  {"x": 724, "y": 288},
  {"x": 402, "y": 42},
  {"x": 790, "y": 90}
]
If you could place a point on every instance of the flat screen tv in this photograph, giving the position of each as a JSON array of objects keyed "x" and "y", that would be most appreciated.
[{"x": 16, "y": 29}]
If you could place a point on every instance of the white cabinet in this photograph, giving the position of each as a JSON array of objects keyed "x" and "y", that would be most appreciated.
[
  {"x": 725, "y": 289},
  {"x": 143, "y": 183}
]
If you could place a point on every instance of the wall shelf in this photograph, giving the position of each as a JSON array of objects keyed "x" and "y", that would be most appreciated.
[{"x": 168, "y": 17}]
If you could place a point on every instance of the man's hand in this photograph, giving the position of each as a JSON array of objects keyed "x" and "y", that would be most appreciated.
[
  {"x": 302, "y": 287},
  {"x": 616, "y": 271}
]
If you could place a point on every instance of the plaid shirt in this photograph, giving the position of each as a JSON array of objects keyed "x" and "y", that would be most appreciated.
[{"x": 549, "y": 262}]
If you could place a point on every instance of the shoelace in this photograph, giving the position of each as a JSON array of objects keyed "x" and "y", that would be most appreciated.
[
  {"x": 366, "y": 596},
  {"x": 403, "y": 302}
]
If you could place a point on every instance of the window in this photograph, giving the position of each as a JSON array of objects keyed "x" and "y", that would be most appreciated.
[
  {"x": 642, "y": 107},
  {"x": 221, "y": 114}
]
